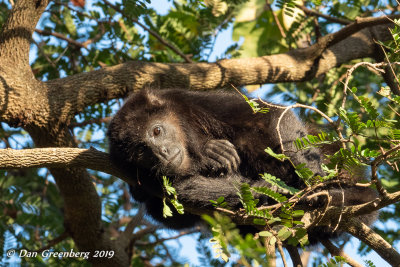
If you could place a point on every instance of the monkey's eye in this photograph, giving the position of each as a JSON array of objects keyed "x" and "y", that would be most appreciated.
[{"x": 156, "y": 131}]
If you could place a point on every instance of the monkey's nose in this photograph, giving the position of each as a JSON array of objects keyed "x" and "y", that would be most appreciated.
[
  {"x": 169, "y": 153},
  {"x": 164, "y": 152}
]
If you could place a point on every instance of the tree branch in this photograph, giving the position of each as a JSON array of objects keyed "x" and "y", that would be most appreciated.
[
  {"x": 373, "y": 240},
  {"x": 59, "y": 158},
  {"x": 311, "y": 12},
  {"x": 85, "y": 89},
  {"x": 16, "y": 33},
  {"x": 62, "y": 37},
  {"x": 334, "y": 251}
]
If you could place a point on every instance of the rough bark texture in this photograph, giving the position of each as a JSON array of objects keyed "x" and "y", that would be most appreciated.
[
  {"x": 45, "y": 109},
  {"x": 58, "y": 158}
]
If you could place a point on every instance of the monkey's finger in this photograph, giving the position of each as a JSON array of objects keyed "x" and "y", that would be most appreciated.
[
  {"x": 228, "y": 159},
  {"x": 225, "y": 148},
  {"x": 221, "y": 159},
  {"x": 230, "y": 147},
  {"x": 215, "y": 166}
]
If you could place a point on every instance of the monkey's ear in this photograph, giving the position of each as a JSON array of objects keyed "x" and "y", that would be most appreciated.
[{"x": 152, "y": 98}]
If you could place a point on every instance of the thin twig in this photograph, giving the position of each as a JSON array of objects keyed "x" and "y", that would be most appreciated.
[
  {"x": 162, "y": 240},
  {"x": 395, "y": 90},
  {"x": 278, "y": 23},
  {"x": 374, "y": 168},
  {"x": 279, "y": 243},
  {"x": 327, "y": 17},
  {"x": 62, "y": 37},
  {"x": 287, "y": 108}
]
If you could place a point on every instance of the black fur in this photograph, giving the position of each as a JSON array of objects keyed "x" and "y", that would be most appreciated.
[{"x": 205, "y": 142}]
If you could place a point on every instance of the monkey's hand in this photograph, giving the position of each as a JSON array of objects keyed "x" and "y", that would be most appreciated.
[{"x": 221, "y": 157}]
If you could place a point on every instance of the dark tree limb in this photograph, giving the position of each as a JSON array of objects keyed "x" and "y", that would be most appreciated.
[
  {"x": 294, "y": 255},
  {"x": 372, "y": 239}
]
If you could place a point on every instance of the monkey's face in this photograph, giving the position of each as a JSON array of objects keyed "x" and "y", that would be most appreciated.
[{"x": 164, "y": 142}]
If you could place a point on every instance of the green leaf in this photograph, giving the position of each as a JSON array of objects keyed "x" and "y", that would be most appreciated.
[
  {"x": 260, "y": 36},
  {"x": 173, "y": 199},
  {"x": 284, "y": 233},
  {"x": 315, "y": 140},
  {"x": 303, "y": 172},
  {"x": 265, "y": 234},
  {"x": 279, "y": 183},
  {"x": 168, "y": 187},
  {"x": 270, "y": 193},
  {"x": 178, "y": 206},
  {"x": 352, "y": 119},
  {"x": 298, "y": 213},
  {"x": 367, "y": 105},
  {"x": 280, "y": 157},
  {"x": 69, "y": 21},
  {"x": 259, "y": 221},
  {"x": 167, "y": 212}
]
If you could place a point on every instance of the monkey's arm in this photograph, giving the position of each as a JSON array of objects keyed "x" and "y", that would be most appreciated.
[{"x": 196, "y": 192}]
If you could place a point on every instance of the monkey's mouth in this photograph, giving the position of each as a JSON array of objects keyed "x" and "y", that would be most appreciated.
[{"x": 173, "y": 162}]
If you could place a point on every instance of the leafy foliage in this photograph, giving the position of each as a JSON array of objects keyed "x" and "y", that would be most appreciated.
[
  {"x": 173, "y": 199},
  {"x": 334, "y": 261},
  {"x": 315, "y": 140},
  {"x": 224, "y": 233},
  {"x": 279, "y": 183}
]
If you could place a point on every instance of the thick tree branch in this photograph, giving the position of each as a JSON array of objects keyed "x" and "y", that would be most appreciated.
[
  {"x": 82, "y": 205},
  {"x": 71, "y": 95},
  {"x": 295, "y": 256},
  {"x": 377, "y": 204},
  {"x": 16, "y": 34},
  {"x": 358, "y": 24},
  {"x": 372, "y": 239},
  {"x": 58, "y": 158},
  {"x": 81, "y": 90}
]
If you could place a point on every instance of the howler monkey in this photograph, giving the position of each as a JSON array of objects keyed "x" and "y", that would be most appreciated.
[{"x": 205, "y": 142}]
